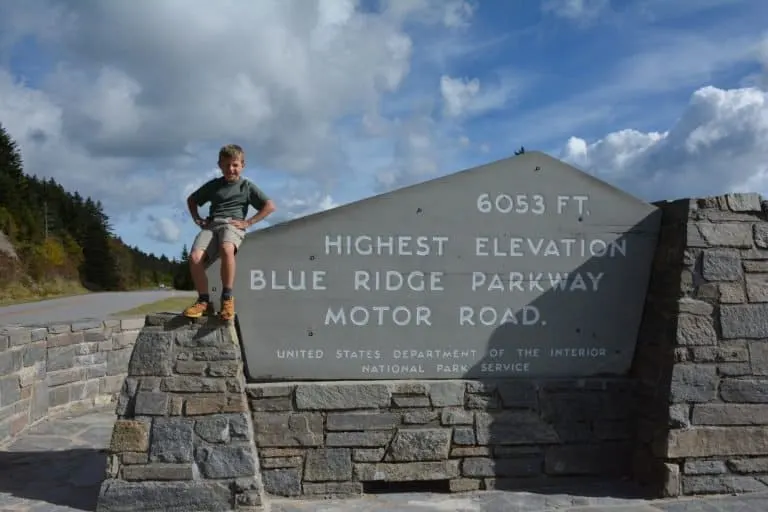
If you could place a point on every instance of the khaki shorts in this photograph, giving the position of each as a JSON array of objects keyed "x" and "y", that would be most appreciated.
[{"x": 218, "y": 232}]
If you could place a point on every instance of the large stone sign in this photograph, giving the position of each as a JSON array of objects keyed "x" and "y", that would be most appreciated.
[{"x": 525, "y": 267}]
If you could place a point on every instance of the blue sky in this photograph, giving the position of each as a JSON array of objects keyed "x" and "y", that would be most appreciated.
[{"x": 338, "y": 100}]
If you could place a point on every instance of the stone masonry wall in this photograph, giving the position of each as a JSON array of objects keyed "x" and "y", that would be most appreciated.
[
  {"x": 183, "y": 439},
  {"x": 48, "y": 370},
  {"x": 706, "y": 425},
  {"x": 330, "y": 439}
]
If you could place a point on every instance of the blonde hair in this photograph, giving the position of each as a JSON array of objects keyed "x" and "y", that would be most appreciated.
[{"x": 231, "y": 151}]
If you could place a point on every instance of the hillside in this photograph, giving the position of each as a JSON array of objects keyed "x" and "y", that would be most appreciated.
[{"x": 55, "y": 242}]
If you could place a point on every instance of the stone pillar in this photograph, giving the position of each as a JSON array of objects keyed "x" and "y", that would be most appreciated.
[
  {"x": 183, "y": 438},
  {"x": 702, "y": 357}
]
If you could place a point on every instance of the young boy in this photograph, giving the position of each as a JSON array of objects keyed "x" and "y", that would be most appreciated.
[{"x": 224, "y": 229}]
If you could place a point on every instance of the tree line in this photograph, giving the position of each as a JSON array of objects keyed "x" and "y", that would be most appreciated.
[{"x": 59, "y": 234}]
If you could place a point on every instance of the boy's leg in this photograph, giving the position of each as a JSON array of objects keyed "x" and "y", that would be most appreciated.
[
  {"x": 230, "y": 238},
  {"x": 201, "y": 251}
]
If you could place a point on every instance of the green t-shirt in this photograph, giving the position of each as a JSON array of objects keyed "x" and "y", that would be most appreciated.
[{"x": 230, "y": 200}]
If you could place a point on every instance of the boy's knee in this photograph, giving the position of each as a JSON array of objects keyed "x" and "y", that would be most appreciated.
[
  {"x": 197, "y": 257},
  {"x": 228, "y": 249}
]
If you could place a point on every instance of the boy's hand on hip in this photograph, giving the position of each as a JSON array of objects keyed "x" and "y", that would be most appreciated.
[{"x": 239, "y": 224}]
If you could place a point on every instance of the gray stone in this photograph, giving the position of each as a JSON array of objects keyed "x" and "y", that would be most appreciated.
[
  {"x": 456, "y": 416},
  {"x": 756, "y": 267},
  {"x": 756, "y": 465},
  {"x": 40, "y": 403},
  {"x": 704, "y": 467},
  {"x": 358, "y": 439},
  {"x": 721, "y": 265},
  {"x": 695, "y": 330},
  {"x": 744, "y": 321},
  {"x": 287, "y": 430},
  {"x": 172, "y": 440},
  {"x": 423, "y": 444},
  {"x": 368, "y": 454},
  {"x": 480, "y": 467},
  {"x": 214, "y": 429},
  {"x": 725, "y": 234},
  {"x": 744, "y": 391},
  {"x": 10, "y": 361},
  {"x": 239, "y": 426},
  {"x": 33, "y": 353},
  {"x": 691, "y": 306},
  {"x": 334, "y": 489},
  {"x": 60, "y": 358},
  {"x": 757, "y": 287},
  {"x": 447, "y": 394},
  {"x": 200, "y": 337},
  {"x": 328, "y": 464},
  {"x": 732, "y": 293},
  {"x": 406, "y": 471},
  {"x": 744, "y": 202},
  {"x": 151, "y": 354},
  {"x": 362, "y": 421},
  {"x": 160, "y": 471},
  {"x": 758, "y": 357},
  {"x": 730, "y": 414},
  {"x": 190, "y": 384},
  {"x": 271, "y": 404},
  {"x": 226, "y": 461},
  {"x": 733, "y": 352},
  {"x": 121, "y": 496},
  {"x": 342, "y": 396},
  {"x": 693, "y": 383},
  {"x": 269, "y": 390},
  {"x": 151, "y": 403},
  {"x": 679, "y": 415},
  {"x": 721, "y": 484},
  {"x": 410, "y": 401},
  {"x": 118, "y": 362},
  {"x": 716, "y": 441},
  {"x": 464, "y": 436},
  {"x": 513, "y": 427},
  {"x": 760, "y": 232},
  {"x": 419, "y": 417},
  {"x": 281, "y": 482},
  {"x": 10, "y": 392}
]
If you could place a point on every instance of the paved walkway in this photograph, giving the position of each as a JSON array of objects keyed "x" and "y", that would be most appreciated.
[{"x": 58, "y": 466}]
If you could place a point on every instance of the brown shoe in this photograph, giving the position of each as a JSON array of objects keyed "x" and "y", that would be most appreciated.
[
  {"x": 198, "y": 309},
  {"x": 227, "y": 309}
]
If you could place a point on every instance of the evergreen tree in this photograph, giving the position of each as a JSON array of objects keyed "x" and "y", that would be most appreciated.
[
  {"x": 182, "y": 279},
  {"x": 75, "y": 241}
]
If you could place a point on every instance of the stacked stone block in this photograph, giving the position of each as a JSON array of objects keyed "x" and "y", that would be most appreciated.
[
  {"x": 714, "y": 435},
  {"x": 330, "y": 439},
  {"x": 183, "y": 438},
  {"x": 52, "y": 369}
]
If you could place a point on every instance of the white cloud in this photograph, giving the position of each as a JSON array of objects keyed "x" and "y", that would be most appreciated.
[
  {"x": 163, "y": 230},
  {"x": 465, "y": 97},
  {"x": 150, "y": 111},
  {"x": 719, "y": 144},
  {"x": 575, "y": 10}
]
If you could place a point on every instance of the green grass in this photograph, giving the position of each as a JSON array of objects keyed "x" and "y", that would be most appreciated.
[
  {"x": 170, "y": 305},
  {"x": 18, "y": 293}
]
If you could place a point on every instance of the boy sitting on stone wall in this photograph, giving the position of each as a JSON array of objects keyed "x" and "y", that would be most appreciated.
[{"x": 224, "y": 229}]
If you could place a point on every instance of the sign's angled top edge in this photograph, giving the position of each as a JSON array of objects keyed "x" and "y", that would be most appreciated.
[{"x": 536, "y": 158}]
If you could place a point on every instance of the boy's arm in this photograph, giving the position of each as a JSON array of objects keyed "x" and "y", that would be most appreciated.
[
  {"x": 262, "y": 203},
  {"x": 198, "y": 198}
]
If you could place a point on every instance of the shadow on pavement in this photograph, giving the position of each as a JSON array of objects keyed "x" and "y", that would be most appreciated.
[{"x": 69, "y": 478}]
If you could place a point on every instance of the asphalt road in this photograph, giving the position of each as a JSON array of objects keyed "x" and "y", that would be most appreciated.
[{"x": 70, "y": 309}]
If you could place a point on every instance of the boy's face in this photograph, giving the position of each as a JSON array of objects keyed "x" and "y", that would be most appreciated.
[{"x": 231, "y": 167}]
